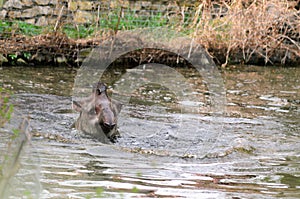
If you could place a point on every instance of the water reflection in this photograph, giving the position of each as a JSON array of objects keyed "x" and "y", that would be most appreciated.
[
  {"x": 44, "y": 80},
  {"x": 256, "y": 91}
]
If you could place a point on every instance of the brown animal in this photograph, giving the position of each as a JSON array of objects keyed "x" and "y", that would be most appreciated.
[{"x": 98, "y": 115}]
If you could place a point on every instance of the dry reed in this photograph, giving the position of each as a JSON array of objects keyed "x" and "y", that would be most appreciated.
[{"x": 245, "y": 31}]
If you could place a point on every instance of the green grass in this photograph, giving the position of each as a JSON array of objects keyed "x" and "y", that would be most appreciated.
[
  {"x": 19, "y": 27},
  {"x": 79, "y": 31},
  {"x": 111, "y": 21},
  {"x": 130, "y": 21}
]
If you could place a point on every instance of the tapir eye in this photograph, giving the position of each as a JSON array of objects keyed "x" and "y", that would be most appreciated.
[{"x": 92, "y": 112}]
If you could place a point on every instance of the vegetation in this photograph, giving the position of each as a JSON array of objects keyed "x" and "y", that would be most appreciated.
[
  {"x": 246, "y": 31},
  {"x": 10, "y": 28},
  {"x": 265, "y": 32},
  {"x": 109, "y": 22},
  {"x": 131, "y": 21},
  {"x": 6, "y": 109},
  {"x": 11, "y": 157}
]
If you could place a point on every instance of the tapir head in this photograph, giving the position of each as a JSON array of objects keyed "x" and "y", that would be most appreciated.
[
  {"x": 98, "y": 112},
  {"x": 103, "y": 108}
]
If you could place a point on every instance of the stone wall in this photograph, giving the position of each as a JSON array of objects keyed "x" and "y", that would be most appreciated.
[
  {"x": 39, "y": 12},
  {"x": 46, "y": 12}
]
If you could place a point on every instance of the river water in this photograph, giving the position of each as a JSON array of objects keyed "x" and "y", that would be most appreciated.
[{"x": 171, "y": 147}]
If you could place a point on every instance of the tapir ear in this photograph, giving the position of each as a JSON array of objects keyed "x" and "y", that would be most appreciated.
[{"x": 76, "y": 106}]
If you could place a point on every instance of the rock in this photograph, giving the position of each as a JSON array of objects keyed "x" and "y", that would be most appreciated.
[
  {"x": 143, "y": 13},
  {"x": 14, "y": 14},
  {"x": 61, "y": 60},
  {"x": 3, "y": 59},
  {"x": 30, "y": 21},
  {"x": 145, "y": 4},
  {"x": 3, "y": 14},
  {"x": 83, "y": 17},
  {"x": 85, "y": 5},
  {"x": 272, "y": 11},
  {"x": 60, "y": 10},
  {"x": 53, "y": 2},
  {"x": 125, "y": 3},
  {"x": 113, "y": 4},
  {"x": 29, "y": 13},
  {"x": 21, "y": 61},
  {"x": 42, "y": 2},
  {"x": 83, "y": 53},
  {"x": 35, "y": 11},
  {"x": 72, "y": 6},
  {"x": 136, "y": 6},
  {"x": 42, "y": 21},
  {"x": 27, "y": 3},
  {"x": 117, "y": 4},
  {"x": 54, "y": 21},
  {"x": 44, "y": 10},
  {"x": 38, "y": 57},
  {"x": 13, "y": 4},
  {"x": 78, "y": 60}
]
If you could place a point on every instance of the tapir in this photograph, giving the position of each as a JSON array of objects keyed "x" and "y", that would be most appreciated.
[{"x": 98, "y": 115}]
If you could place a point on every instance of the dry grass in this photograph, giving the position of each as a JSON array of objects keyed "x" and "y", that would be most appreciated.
[
  {"x": 249, "y": 30},
  {"x": 47, "y": 46}
]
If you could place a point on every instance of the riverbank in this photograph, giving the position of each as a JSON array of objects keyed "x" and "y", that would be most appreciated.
[{"x": 240, "y": 32}]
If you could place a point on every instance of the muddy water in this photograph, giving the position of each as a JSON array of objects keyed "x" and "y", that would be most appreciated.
[{"x": 170, "y": 148}]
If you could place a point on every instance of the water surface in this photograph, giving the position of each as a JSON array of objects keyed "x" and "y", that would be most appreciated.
[{"x": 170, "y": 148}]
